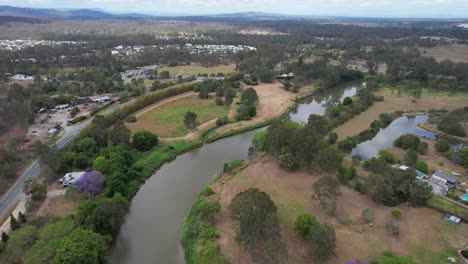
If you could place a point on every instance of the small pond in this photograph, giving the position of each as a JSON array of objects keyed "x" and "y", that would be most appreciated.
[{"x": 384, "y": 139}]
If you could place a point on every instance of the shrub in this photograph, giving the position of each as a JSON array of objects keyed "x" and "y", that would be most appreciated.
[
  {"x": 465, "y": 253},
  {"x": 144, "y": 140},
  {"x": 421, "y": 166},
  {"x": 259, "y": 140},
  {"x": 347, "y": 101},
  {"x": 219, "y": 101},
  {"x": 411, "y": 157},
  {"x": 386, "y": 119},
  {"x": 396, "y": 213},
  {"x": 222, "y": 121},
  {"x": 304, "y": 224},
  {"x": 232, "y": 165},
  {"x": 422, "y": 148},
  {"x": 132, "y": 119},
  {"x": 207, "y": 191},
  {"x": 368, "y": 215},
  {"x": 388, "y": 156},
  {"x": 332, "y": 137},
  {"x": 392, "y": 229},
  {"x": 442, "y": 145}
]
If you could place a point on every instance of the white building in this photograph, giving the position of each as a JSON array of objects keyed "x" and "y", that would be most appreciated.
[{"x": 71, "y": 178}]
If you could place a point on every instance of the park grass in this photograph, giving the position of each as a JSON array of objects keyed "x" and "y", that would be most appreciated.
[
  {"x": 167, "y": 121},
  {"x": 422, "y": 254},
  {"x": 197, "y": 69},
  {"x": 448, "y": 207}
]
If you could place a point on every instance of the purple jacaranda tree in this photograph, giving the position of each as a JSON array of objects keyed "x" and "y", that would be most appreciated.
[{"x": 91, "y": 182}]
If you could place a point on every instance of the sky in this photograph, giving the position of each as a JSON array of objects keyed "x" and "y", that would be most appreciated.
[{"x": 351, "y": 8}]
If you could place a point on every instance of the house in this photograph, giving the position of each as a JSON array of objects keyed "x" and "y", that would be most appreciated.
[
  {"x": 61, "y": 107},
  {"x": 420, "y": 175},
  {"x": 22, "y": 77},
  {"x": 444, "y": 178},
  {"x": 71, "y": 178}
]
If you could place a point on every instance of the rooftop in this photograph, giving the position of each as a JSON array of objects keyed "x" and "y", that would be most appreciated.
[{"x": 442, "y": 175}]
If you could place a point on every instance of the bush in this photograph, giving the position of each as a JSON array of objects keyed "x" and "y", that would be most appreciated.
[
  {"x": 396, "y": 213},
  {"x": 132, "y": 119},
  {"x": 392, "y": 229},
  {"x": 347, "y": 101},
  {"x": 332, "y": 137},
  {"x": 388, "y": 156},
  {"x": 259, "y": 140},
  {"x": 304, "y": 224},
  {"x": 421, "y": 166},
  {"x": 219, "y": 101},
  {"x": 222, "y": 121},
  {"x": 386, "y": 119},
  {"x": 442, "y": 145},
  {"x": 232, "y": 165},
  {"x": 207, "y": 191},
  {"x": 144, "y": 140},
  {"x": 368, "y": 215},
  {"x": 465, "y": 253}
]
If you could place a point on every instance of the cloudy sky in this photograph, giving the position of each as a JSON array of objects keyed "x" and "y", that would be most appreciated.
[{"x": 367, "y": 8}]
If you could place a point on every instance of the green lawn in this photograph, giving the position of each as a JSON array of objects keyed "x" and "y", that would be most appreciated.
[
  {"x": 449, "y": 207},
  {"x": 424, "y": 255},
  {"x": 168, "y": 120}
]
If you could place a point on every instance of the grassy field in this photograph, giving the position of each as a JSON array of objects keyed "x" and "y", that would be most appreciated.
[
  {"x": 167, "y": 120},
  {"x": 453, "y": 53},
  {"x": 423, "y": 232},
  {"x": 196, "y": 69}
]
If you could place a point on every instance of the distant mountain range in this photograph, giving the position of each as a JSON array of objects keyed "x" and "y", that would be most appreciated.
[{"x": 25, "y": 14}]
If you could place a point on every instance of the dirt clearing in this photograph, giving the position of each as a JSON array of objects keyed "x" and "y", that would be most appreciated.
[
  {"x": 453, "y": 53},
  {"x": 420, "y": 228}
]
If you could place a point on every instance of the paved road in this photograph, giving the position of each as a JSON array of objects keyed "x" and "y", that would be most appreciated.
[{"x": 15, "y": 193}]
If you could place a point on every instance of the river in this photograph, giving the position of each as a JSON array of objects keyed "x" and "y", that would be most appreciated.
[
  {"x": 385, "y": 137},
  {"x": 153, "y": 225}
]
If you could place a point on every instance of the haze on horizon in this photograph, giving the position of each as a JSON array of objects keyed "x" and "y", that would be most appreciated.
[{"x": 349, "y": 8}]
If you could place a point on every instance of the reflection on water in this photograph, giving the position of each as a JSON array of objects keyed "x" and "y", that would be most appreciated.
[
  {"x": 386, "y": 136},
  {"x": 319, "y": 103}
]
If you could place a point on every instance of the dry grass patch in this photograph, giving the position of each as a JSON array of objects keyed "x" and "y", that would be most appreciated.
[
  {"x": 291, "y": 192},
  {"x": 453, "y": 53}
]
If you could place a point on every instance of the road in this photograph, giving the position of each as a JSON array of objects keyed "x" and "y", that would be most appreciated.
[{"x": 15, "y": 193}]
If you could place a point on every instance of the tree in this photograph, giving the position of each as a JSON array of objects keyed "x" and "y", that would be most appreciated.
[
  {"x": 81, "y": 246},
  {"x": 388, "y": 156},
  {"x": 190, "y": 120},
  {"x": 419, "y": 193},
  {"x": 332, "y": 137},
  {"x": 416, "y": 93},
  {"x": 386, "y": 119},
  {"x": 249, "y": 96},
  {"x": 258, "y": 225},
  {"x": 144, "y": 140},
  {"x": 14, "y": 224},
  {"x": 265, "y": 75},
  {"x": 326, "y": 190},
  {"x": 287, "y": 85},
  {"x": 304, "y": 224},
  {"x": 329, "y": 159},
  {"x": 421, "y": 166},
  {"x": 120, "y": 134},
  {"x": 347, "y": 101},
  {"x": 411, "y": 157},
  {"x": 323, "y": 242},
  {"x": 5, "y": 237},
  {"x": 422, "y": 148},
  {"x": 259, "y": 140},
  {"x": 21, "y": 218},
  {"x": 164, "y": 75},
  {"x": 230, "y": 94},
  {"x": 91, "y": 182},
  {"x": 287, "y": 160},
  {"x": 442, "y": 145},
  {"x": 368, "y": 215}
]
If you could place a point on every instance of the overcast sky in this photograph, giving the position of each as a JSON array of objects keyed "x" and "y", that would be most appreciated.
[{"x": 362, "y": 8}]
